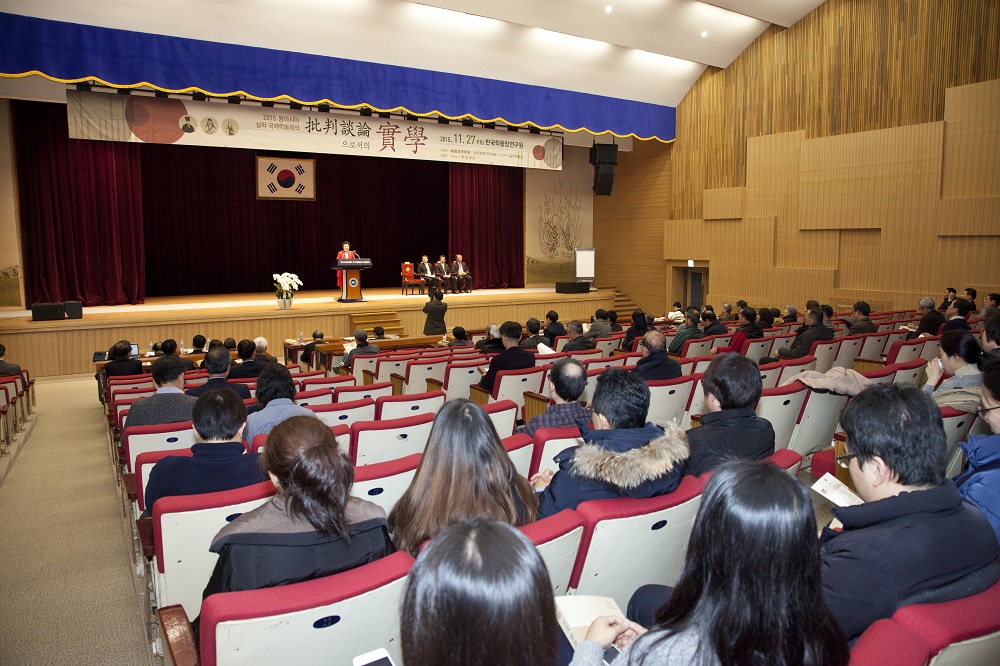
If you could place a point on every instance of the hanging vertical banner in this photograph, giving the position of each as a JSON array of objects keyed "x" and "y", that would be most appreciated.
[
  {"x": 286, "y": 179},
  {"x": 184, "y": 122}
]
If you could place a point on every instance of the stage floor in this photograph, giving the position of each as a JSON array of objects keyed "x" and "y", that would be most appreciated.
[{"x": 64, "y": 347}]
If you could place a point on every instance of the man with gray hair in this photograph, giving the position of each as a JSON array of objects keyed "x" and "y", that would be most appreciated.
[
  {"x": 931, "y": 319},
  {"x": 577, "y": 340},
  {"x": 566, "y": 383},
  {"x": 218, "y": 363},
  {"x": 363, "y": 347},
  {"x": 491, "y": 344},
  {"x": 262, "y": 356},
  {"x": 727, "y": 313},
  {"x": 812, "y": 330},
  {"x": 655, "y": 363},
  {"x": 791, "y": 314}
]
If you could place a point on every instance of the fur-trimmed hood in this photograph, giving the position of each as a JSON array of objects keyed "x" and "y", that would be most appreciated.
[{"x": 628, "y": 458}]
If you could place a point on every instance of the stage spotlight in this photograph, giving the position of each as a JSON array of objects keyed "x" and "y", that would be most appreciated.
[
  {"x": 199, "y": 96},
  {"x": 443, "y": 121},
  {"x": 83, "y": 87},
  {"x": 365, "y": 111},
  {"x": 124, "y": 91},
  {"x": 161, "y": 94},
  {"x": 294, "y": 106},
  {"x": 234, "y": 99},
  {"x": 267, "y": 104},
  {"x": 467, "y": 123},
  {"x": 323, "y": 108}
]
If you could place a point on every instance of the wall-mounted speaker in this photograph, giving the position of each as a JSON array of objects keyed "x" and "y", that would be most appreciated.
[
  {"x": 604, "y": 178},
  {"x": 604, "y": 153}
]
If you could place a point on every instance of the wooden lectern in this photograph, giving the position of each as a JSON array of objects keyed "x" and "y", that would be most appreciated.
[{"x": 350, "y": 289}]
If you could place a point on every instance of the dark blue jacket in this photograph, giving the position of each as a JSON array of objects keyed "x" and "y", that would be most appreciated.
[
  {"x": 982, "y": 486},
  {"x": 727, "y": 434},
  {"x": 214, "y": 467},
  {"x": 215, "y": 383},
  {"x": 657, "y": 366}
]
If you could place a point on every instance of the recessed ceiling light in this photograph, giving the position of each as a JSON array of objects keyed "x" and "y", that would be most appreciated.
[
  {"x": 704, "y": 33},
  {"x": 607, "y": 10}
]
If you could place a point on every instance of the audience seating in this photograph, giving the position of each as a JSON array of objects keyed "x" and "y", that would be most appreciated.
[
  {"x": 825, "y": 352},
  {"x": 588, "y": 391},
  {"x": 299, "y": 377},
  {"x": 721, "y": 340},
  {"x": 817, "y": 423},
  {"x": 786, "y": 459},
  {"x": 503, "y": 414},
  {"x": 697, "y": 404},
  {"x": 418, "y": 371},
  {"x": 401, "y": 406},
  {"x": 323, "y": 396},
  {"x": 932, "y": 344},
  {"x": 364, "y": 362},
  {"x": 887, "y": 642},
  {"x": 669, "y": 398},
  {"x": 585, "y": 354},
  {"x": 5, "y": 413},
  {"x": 850, "y": 348},
  {"x": 352, "y": 393},
  {"x": 782, "y": 407},
  {"x": 337, "y": 381},
  {"x": 378, "y": 441},
  {"x": 557, "y": 539},
  {"x": 196, "y": 379},
  {"x": 341, "y": 433},
  {"x": 328, "y": 620},
  {"x": 385, "y": 366},
  {"x": 183, "y": 529},
  {"x": 883, "y": 375},
  {"x": 904, "y": 350},
  {"x": 757, "y": 348},
  {"x": 385, "y": 482},
  {"x": 654, "y": 533},
  {"x": 345, "y": 413},
  {"x": 696, "y": 347},
  {"x": 609, "y": 362},
  {"x": 871, "y": 350},
  {"x": 143, "y": 466},
  {"x": 794, "y": 366},
  {"x": 510, "y": 385},
  {"x": 548, "y": 443},
  {"x": 520, "y": 449},
  {"x": 695, "y": 364},
  {"x": 609, "y": 344},
  {"x": 769, "y": 374},
  {"x": 547, "y": 359},
  {"x": 166, "y": 437},
  {"x": 458, "y": 379},
  {"x": 910, "y": 373},
  {"x": 560, "y": 342}
]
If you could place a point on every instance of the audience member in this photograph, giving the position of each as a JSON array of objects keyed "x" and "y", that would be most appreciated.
[
  {"x": 727, "y": 313},
  {"x": 812, "y": 304},
  {"x": 711, "y": 324},
  {"x": 930, "y": 319},
  {"x": 168, "y": 404},
  {"x": 949, "y": 295},
  {"x": 980, "y": 483},
  {"x": 958, "y": 356},
  {"x": 492, "y": 343},
  {"x": 478, "y": 594},
  {"x": 378, "y": 333},
  {"x": 120, "y": 362},
  {"x": 970, "y": 296},
  {"x": 534, "y": 335},
  {"x": 275, "y": 391},
  {"x": 810, "y": 331},
  {"x": 600, "y": 327},
  {"x": 766, "y": 318},
  {"x": 307, "y": 352},
  {"x": 464, "y": 472},
  {"x": 636, "y": 330},
  {"x": 902, "y": 541},
  {"x": 955, "y": 315},
  {"x": 790, "y": 315},
  {"x": 215, "y": 343},
  {"x": 827, "y": 311},
  {"x": 553, "y": 329},
  {"x": 741, "y": 304},
  {"x": 169, "y": 348},
  {"x": 859, "y": 321},
  {"x": 565, "y": 384},
  {"x": 655, "y": 363},
  {"x": 750, "y": 590},
  {"x": 219, "y": 461},
  {"x": 230, "y": 344},
  {"x": 578, "y": 340},
  {"x": 991, "y": 335},
  {"x": 731, "y": 428},
  {"x": 217, "y": 362},
  {"x": 689, "y": 331},
  {"x": 312, "y": 528},
  {"x": 362, "y": 348},
  {"x": 622, "y": 457},
  {"x": 248, "y": 367},
  {"x": 613, "y": 319},
  {"x": 650, "y": 322},
  {"x": 990, "y": 306},
  {"x": 199, "y": 344},
  {"x": 260, "y": 344},
  {"x": 461, "y": 338},
  {"x": 511, "y": 358},
  {"x": 435, "y": 307},
  {"x": 12, "y": 369},
  {"x": 748, "y": 330},
  {"x": 676, "y": 314},
  {"x": 461, "y": 275}
]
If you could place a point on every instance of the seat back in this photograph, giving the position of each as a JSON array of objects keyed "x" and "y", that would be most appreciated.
[
  {"x": 422, "y": 369},
  {"x": 167, "y": 437},
  {"x": 909, "y": 373},
  {"x": 329, "y": 620},
  {"x": 406, "y": 270},
  {"x": 320, "y": 396},
  {"x": 345, "y": 413},
  {"x": 697, "y": 404},
  {"x": 585, "y": 354},
  {"x": 956, "y": 427},
  {"x": 669, "y": 398},
  {"x": 520, "y": 448},
  {"x": 561, "y": 341},
  {"x": 818, "y": 422},
  {"x": 385, "y": 482},
  {"x": 588, "y": 391},
  {"x": 511, "y": 385},
  {"x": 631, "y": 359},
  {"x": 401, "y": 406},
  {"x": 781, "y": 407},
  {"x": 757, "y": 348},
  {"x": 144, "y": 463},
  {"x": 362, "y": 362},
  {"x": 850, "y": 347},
  {"x": 932, "y": 344},
  {"x": 370, "y": 391},
  {"x": 795, "y": 366},
  {"x": 459, "y": 377},
  {"x": 825, "y": 352},
  {"x": 902, "y": 351},
  {"x": 770, "y": 373},
  {"x": 696, "y": 347},
  {"x": 654, "y": 532},
  {"x": 548, "y": 443},
  {"x": 872, "y": 346},
  {"x": 378, "y": 441},
  {"x": 610, "y": 344},
  {"x": 386, "y": 366},
  {"x": 786, "y": 459},
  {"x": 547, "y": 359},
  {"x": 609, "y": 362},
  {"x": 557, "y": 539},
  {"x": 891, "y": 338},
  {"x": 183, "y": 529},
  {"x": 722, "y": 340},
  {"x": 503, "y": 414},
  {"x": 337, "y": 381},
  {"x": 883, "y": 375}
]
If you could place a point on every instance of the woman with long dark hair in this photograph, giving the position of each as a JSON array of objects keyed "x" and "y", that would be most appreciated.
[
  {"x": 750, "y": 591},
  {"x": 464, "y": 472},
  {"x": 636, "y": 330},
  {"x": 479, "y": 593}
]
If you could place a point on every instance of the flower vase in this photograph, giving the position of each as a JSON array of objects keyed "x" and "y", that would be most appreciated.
[{"x": 284, "y": 303}]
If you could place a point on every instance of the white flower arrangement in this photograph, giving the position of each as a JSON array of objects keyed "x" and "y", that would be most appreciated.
[{"x": 286, "y": 284}]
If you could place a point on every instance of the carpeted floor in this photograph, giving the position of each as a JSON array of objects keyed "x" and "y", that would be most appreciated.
[{"x": 66, "y": 587}]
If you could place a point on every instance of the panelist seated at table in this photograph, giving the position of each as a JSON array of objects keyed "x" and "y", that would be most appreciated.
[
  {"x": 345, "y": 253},
  {"x": 460, "y": 275},
  {"x": 425, "y": 271},
  {"x": 442, "y": 271}
]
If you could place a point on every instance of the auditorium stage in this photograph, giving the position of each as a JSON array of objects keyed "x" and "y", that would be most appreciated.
[{"x": 49, "y": 348}]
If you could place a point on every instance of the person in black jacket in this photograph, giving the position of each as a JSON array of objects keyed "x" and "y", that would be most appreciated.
[
  {"x": 553, "y": 329},
  {"x": 811, "y": 331},
  {"x": 731, "y": 429},
  {"x": 655, "y": 363},
  {"x": 711, "y": 325},
  {"x": 119, "y": 363},
  {"x": 511, "y": 358},
  {"x": 435, "y": 309}
]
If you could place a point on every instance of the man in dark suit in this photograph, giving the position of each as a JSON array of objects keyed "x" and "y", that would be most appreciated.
[
  {"x": 655, "y": 363},
  {"x": 442, "y": 271},
  {"x": 310, "y": 349},
  {"x": 262, "y": 356},
  {"x": 711, "y": 324},
  {"x": 199, "y": 342},
  {"x": 553, "y": 327},
  {"x": 931, "y": 319},
  {"x": 217, "y": 364},
  {"x": 435, "y": 309},
  {"x": 120, "y": 364},
  {"x": 169, "y": 348},
  {"x": 949, "y": 295},
  {"x": 9, "y": 369},
  {"x": 250, "y": 367},
  {"x": 811, "y": 331},
  {"x": 492, "y": 343},
  {"x": 859, "y": 322},
  {"x": 425, "y": 272},
  {"x": 168, "y": 404},
  {"x": 460, "y": 274},
  {"x": 577, "y": 340},
  {"x": 511, "y": 358},
  {"x": 534, "y": 336}
]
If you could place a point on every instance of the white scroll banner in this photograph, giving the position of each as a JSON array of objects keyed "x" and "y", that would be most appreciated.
[{"x": 184, "y": 122}]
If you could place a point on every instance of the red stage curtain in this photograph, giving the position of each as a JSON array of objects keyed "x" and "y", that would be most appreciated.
[
  {"x": 486, "y": 223},
  {"x": 81, "y": 212}
]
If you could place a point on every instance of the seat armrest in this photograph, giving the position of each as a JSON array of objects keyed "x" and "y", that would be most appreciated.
[
  {"x": 867, "y": 364},
  {"x": 434, "y": 384},
  {"x": 178, "y": 635},
  {"x": 534, "y": 404},
  {"x": 128, "y": 480},
  {"x": 369, "y": 377},
  {"x": 398, "y": 381},
  {"x": 479, "y": 395},
  {"x": 144, "y": 527},
  {"x": 695, "y": 420}
]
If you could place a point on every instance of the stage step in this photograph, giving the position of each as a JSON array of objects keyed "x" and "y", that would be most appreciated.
[
  {"x": 624, "y": 305},
  {"x": 390, "y": 321}
]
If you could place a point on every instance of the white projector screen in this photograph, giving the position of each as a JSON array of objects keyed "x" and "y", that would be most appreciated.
[{"x": 584, "y": 264}]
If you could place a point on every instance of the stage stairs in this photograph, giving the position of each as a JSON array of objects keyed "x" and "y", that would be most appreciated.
[
  {"x": 390, "y": 321},
  {"x": 624, "y": 305}
]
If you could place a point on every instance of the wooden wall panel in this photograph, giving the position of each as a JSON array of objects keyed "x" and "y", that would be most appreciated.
[
  {"x": 726, "y": 203},
  {"x": 972, "y": 141},
  {"x": 968, "y": 217}
]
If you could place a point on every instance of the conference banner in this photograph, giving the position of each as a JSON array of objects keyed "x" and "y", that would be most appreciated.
[{"x": 141, "y": 119}]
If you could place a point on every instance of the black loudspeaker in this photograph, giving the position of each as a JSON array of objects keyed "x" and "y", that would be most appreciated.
[
  {"x": 74, "y": 309},
  {"x": 47, "y": 312},
  {"x": 604, "y": 153},
  {"x": 572, "y": 287},
  {"x": 604, "y": 178}
]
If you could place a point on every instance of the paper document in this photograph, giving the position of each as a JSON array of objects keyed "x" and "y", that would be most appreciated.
[
  {"x": 829, "y": 487},
  {"x": 575, "y": 614}
]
